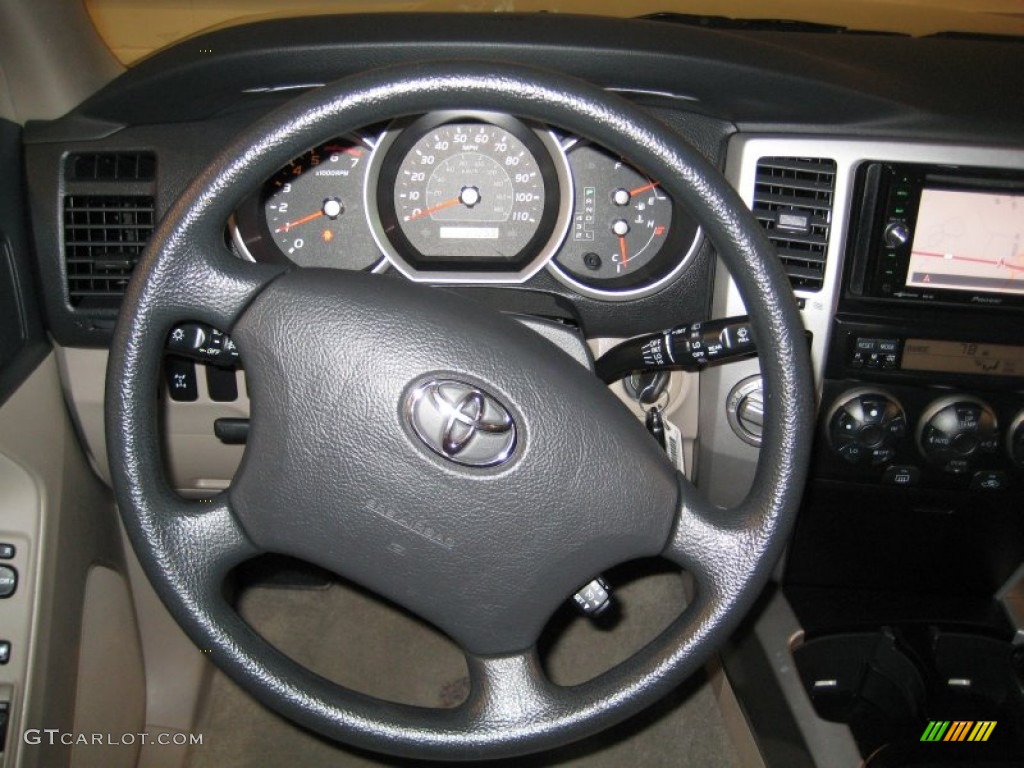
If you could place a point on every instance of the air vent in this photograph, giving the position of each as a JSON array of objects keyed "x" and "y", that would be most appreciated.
[
  {"x": 793, "y": 202},
  {"x": 103, "y": 238},
  {"x": 111, "y": 166}
]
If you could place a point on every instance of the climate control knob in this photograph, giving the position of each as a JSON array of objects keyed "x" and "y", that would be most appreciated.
[
  {"x": 1015, "y": 440},
  {"x": 865, "y": 426},
  {"x": 955, "y": 431}
]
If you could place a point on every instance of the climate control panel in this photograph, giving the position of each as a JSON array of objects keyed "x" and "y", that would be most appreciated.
[
  {"x": 866, "y": 426},
  {"x": 918, "y": 436},
  {"x": 956, "y": 431}
]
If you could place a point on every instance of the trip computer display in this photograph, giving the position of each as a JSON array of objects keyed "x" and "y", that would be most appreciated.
[
  {"x": 968, "y": 241},
  {"x": 963, "y": 357}
]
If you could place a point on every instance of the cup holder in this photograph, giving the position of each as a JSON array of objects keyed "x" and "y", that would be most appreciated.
[
  {"x": 862, "y": 676},
  {"x": 889, "y": 685}
]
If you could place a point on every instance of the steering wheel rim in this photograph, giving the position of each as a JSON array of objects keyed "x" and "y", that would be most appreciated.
[{"x": 188, "y": 549}]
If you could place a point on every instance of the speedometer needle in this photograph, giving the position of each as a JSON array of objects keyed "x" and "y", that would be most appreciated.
[
  {"x": 303, "y": 220},
  {"x": 641, "y": 190},
  {"x": 434, "y": 209}
]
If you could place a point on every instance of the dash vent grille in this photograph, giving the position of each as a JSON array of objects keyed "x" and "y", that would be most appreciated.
[
  {"x": 111, "y": 166},
  {"x": 104, "y": 236},
  {"x": 793, "y": 201}
]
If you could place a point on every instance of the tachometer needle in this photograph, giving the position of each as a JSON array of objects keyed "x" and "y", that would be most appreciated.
[
  {"x": 641, "y": 190},
  {"x": 622, "y": 252},
  {"x": 434, "y": 209},
  {"x": 303, "y": 220}
]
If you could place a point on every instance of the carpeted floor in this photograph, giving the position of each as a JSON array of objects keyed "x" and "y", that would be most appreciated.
[{"x": 351, "y": 638}]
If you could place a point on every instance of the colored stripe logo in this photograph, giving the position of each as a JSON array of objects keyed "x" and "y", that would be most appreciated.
[{"x": 958, "y": 730}]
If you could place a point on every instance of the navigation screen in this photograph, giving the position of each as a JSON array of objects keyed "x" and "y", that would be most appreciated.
[{"x": 968, "y": 241}]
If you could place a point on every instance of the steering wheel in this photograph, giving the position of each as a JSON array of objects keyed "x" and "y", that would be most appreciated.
[{"x": 335, "y": 473}]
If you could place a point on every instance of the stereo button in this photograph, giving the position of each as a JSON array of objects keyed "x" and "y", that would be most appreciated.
[{"x": 896, "y": 234}]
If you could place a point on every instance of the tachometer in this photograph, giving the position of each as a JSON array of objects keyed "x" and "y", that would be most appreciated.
[
  {"x": 312, "y": 212},
  {"x": 314, "y": 208},
  {"x": 470, "y": 194}
]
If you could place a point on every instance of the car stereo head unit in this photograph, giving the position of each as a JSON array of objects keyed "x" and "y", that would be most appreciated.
[{"x": 939, "y": 234}]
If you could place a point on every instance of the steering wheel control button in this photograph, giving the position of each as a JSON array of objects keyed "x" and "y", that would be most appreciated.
[
  {"x": 187, "y": 338},
  {"x": 202, "y": 343},
  {"x": 954, "y": 430},
  {"x": 7, "y": 551},
  {"x": 5, "y": 651},
  {"x": 594, "y": 599},
  {"x": 181, "y": 380},
  {"x": 461, "y": 422},
  {"x": 221, "y": 384},
  {"x": 905, "y": 476},
  {"x": 686, "y": 348},
  {"x": 8, "y": 581},
  {"x": 866, "y": 426}
]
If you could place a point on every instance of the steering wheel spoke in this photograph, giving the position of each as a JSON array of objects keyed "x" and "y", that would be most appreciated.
[
  {"x": 508, "y": 691},
  {"x": 710, "y": 543},
  {"x": 203, "y": 539},
  {"x": 209, "y": 285}
]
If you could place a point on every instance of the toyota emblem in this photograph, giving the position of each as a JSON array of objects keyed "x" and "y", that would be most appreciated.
[{"x": 461, "y": 422}]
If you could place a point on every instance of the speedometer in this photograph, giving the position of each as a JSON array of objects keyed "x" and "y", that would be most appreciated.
[{"x": 470, "y": 194}]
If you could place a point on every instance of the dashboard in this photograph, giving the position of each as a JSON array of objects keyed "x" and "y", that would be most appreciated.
[
  {"x": 887, "y": 171},
  {"x": 450, "y": 198}
]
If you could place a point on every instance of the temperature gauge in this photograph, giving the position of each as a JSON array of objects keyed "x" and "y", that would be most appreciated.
[{"x": 626, "y": 235}]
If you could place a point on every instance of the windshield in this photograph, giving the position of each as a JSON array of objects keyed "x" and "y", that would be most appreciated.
[{"x": 133, "y": 29}]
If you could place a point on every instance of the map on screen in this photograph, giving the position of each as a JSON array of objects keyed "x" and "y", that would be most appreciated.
[{"x": 968, "y": 241}]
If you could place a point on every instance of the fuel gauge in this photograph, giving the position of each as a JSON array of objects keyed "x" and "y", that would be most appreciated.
[{"x": 627, "y": 236}]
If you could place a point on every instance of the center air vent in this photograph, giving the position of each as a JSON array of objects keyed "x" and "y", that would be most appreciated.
[
  {"x": 793, "y": 202},
  {"x": 103, "y": 238}
]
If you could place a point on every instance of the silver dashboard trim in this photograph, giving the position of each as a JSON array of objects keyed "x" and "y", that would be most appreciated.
[
  {"x": 727, "y": 463},
  {"x": 627, "y": 91}
]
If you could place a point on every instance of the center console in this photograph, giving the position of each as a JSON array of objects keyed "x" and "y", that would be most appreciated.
[
  {"x": 914, "y": 519},
  {"x": 911, "y": 531},
  {"x": 923, "y": 384}
]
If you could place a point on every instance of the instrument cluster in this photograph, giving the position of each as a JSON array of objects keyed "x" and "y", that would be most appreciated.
[{"x": 471, "y": 198}]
